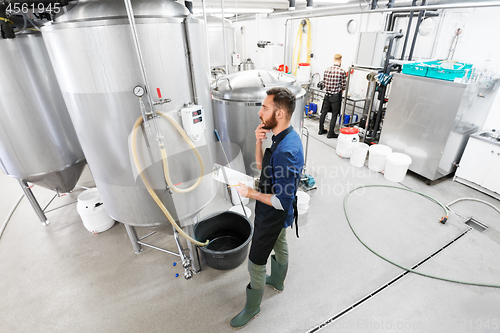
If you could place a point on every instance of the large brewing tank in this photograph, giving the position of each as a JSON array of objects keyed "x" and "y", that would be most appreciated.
[
  {"x": 216, "y": 49},
  {"x": 238, "y": 98},
  {"x": 38, "y": 143},
  {"x": 93, "y": 53}
]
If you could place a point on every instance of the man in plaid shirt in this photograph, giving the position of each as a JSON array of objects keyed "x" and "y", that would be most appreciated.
[{"x": 334, "y": 80}]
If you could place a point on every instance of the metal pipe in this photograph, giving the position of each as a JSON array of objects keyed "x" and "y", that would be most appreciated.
[
  {"x": 34, "y": 203},
  {"x": 285, "y": 46},
  {"x": 53, "y": 209},
  {"x": 132, "y": 234},
  {"x": 344, "y": 102},
  {"x": 323, "y": 11},
  {"x": 304, "y": 128},
  {"x": 133, "y": 28},
  {"x": 415, "y": 34},
  {"x": 224, "y": 36},
  {"x": 150, "y": 234},
  {"x": 158, "y": 248},
  {"x": 414, "y": 2},
  {"x": 193, "y": 250},
  {"x": 372, "y": 86},
  {"x": 55, "y": 195},
  {"x": 135, "y": 37},
  {"x": 186, "y": 262},
  {"x": 191, "y": 66},
  {"x": 387, "y": 67}
]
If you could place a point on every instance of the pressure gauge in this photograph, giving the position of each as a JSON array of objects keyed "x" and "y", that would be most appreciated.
[{"x": 138, "y": 91}]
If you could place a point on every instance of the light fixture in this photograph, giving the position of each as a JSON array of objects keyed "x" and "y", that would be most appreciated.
[
  {"x": 291, "y": 4},
  {"x": 309, "y": 4}
]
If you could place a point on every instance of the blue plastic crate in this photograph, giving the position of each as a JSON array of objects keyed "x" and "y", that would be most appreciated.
[
  {"x": 417, "y": 69},
  {"x": 459, "y": 70}
]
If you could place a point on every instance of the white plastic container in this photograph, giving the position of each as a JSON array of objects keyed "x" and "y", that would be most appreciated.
[
  {"x": 358, "y": 157},
  {"x": 238, "y": 209},
  {"x": 92, "y": 211},
  {"x": 377, "y": 157},
  {"x": 347, "y": 138},
  {"x": 304, "y": 73},
  {"x": 396, "y": 166},
  {"x": 302, "y": 200}
]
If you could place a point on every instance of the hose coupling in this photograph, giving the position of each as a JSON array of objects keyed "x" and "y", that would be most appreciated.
[
  {"x": 162, "y": 101},
  {"x": 444, "y": 219},
  {"x": 188, "y": 274},
  {"x": 186, "y": 262}
]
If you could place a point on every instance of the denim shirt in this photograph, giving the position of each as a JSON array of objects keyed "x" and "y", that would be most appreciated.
[{"x": 287, "y": 162}]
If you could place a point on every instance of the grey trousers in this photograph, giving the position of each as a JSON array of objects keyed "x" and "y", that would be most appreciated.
[{"x": 258, "y": 272}]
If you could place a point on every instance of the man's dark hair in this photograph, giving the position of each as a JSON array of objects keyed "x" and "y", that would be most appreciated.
[{"x": 283, "y": 99}]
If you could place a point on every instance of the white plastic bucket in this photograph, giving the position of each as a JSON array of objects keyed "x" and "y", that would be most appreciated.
[
  {"x": 347, "y": 138},
  {"x": 377, "y": 156},
  {"x": 302, "y": 200},
  {"x": 92, "y": 211},
  {"x": 396, "y": 166},
  {"x": 358, "y": 157},
  {"x": 302, "y": 211},
  {"x": 238, "y": 209}
]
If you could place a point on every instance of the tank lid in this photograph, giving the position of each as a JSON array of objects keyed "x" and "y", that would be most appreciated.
[
  {"x": 349, "y": 130},
  {"x": 89, "y": 10},
  {"x": 251, "y": 86}
]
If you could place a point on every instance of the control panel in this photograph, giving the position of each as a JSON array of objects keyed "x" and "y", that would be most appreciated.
[{"x": 193, "y": 120}]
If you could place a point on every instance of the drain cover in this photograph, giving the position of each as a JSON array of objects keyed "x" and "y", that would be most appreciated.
[{"x": 476, "y": 225}]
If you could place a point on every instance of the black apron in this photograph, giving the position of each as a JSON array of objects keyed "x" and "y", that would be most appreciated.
[{"x": 268, "y": 220}]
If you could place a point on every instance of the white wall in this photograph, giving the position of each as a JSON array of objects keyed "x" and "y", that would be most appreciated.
[{"x": 477, "y": 44}]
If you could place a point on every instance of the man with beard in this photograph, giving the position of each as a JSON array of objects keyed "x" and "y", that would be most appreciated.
[{"x": 276, "y": 206}]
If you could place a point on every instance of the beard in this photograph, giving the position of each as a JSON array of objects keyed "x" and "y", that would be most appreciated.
[{"x": 270, "y": 123}]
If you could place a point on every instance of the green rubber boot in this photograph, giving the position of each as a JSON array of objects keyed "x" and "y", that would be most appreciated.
[
  {"x": 251, "y": 310},
  {"x": 278, "y": 274}
]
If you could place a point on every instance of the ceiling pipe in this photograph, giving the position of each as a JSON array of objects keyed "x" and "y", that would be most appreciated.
[{"x": 353, "y": 9}]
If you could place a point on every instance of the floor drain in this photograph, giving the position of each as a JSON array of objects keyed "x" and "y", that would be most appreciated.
[{"x": 476, "y": 225}]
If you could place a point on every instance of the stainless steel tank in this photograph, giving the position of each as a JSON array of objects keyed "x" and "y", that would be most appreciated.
[
  {"x": 93, "y": 53},
  {"x": 38, "y": 143},
  {"x": 238, "y": 98},
  {"x": 216, "y": 43}
]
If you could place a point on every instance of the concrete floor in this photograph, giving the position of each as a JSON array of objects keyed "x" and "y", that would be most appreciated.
[{"x": 62, "y": 278}]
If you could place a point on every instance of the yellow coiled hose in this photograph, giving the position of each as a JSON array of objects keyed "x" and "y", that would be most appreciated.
[
  {"x": 298, "y": 46},
  {"x": 160, "y": 204}
]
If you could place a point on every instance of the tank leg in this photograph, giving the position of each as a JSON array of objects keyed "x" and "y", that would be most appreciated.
[
  {"x": 34, "y": 203},
  {"x": 132, "y": 234},
  {"x": 193, "y": 250}
]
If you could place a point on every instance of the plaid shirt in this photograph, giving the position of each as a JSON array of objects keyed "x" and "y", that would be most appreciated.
[{"x": 334, "y": 79}]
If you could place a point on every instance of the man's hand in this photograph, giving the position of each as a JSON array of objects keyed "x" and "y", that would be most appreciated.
[
  {"x": 243, "y": 190},
  {"x": 260, "y": 133}
]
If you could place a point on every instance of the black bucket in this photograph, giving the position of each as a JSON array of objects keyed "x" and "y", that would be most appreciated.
[{"x": 229, "y": 234}]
